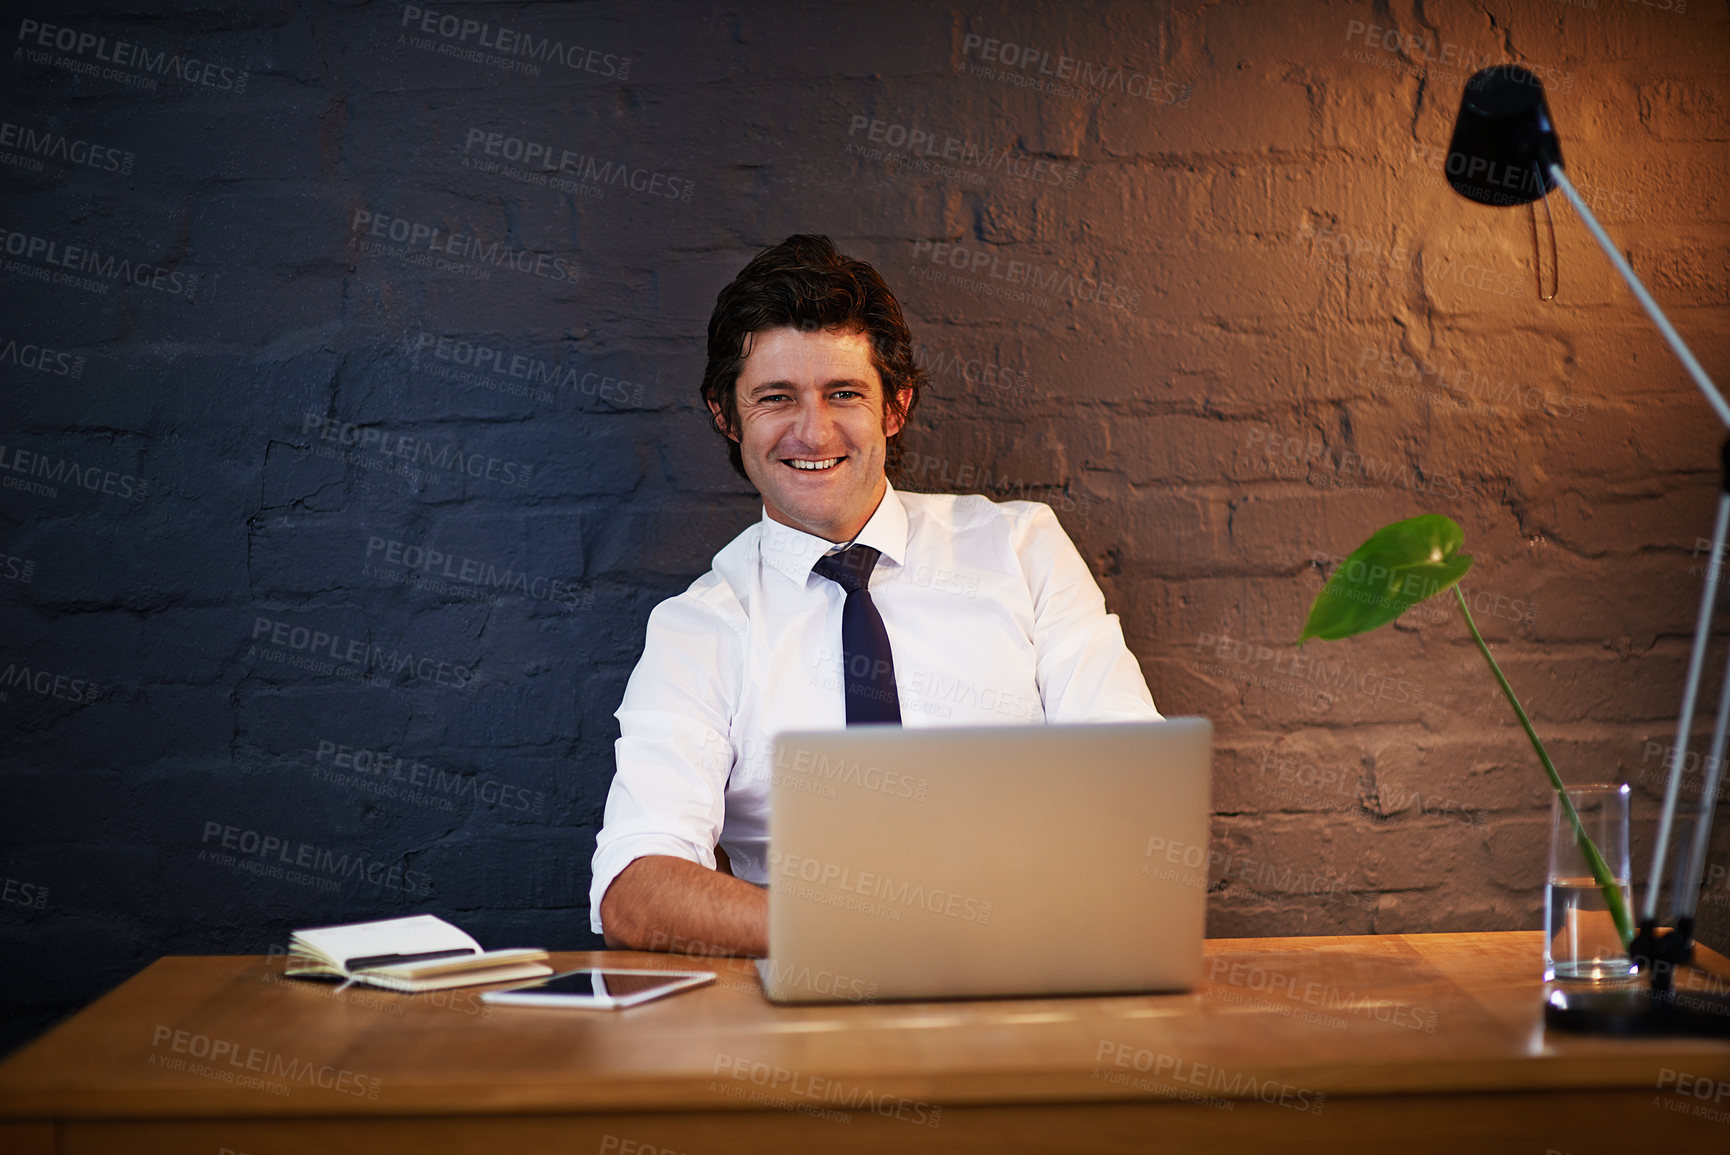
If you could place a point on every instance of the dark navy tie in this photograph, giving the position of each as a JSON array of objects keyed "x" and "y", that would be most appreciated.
[{"x": 868, "y": 665}]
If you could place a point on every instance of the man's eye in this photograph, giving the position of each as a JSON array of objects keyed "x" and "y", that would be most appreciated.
[{"x": 846, "y": 393}]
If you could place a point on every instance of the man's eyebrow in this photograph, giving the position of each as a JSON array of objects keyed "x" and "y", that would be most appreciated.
[{"x": 784, "y": 386}]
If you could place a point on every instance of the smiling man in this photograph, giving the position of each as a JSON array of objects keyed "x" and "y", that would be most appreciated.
[
  {"x": 812, "y": 423},
  {"x": 849, "y": 603}
]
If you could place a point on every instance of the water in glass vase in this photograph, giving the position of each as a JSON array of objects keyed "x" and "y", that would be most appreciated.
[{"x": 1582, "y": 942}]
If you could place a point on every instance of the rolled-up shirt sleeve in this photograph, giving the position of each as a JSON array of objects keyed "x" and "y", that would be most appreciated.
[
  {"x": 1086, "y": 671},
  {"x": 674, "y": 751}
]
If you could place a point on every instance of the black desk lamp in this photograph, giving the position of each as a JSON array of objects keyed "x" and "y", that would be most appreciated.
[{"x": 1505, "y": 152}]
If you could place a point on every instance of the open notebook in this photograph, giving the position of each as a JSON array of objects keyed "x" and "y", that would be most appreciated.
[{"x": 419, "y": 953}]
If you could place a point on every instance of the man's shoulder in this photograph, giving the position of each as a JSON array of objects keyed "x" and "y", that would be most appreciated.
[
  {"x": 962, "y": 513},
  {"x": 708, "y": 602},
  {"x": 718, "y": 597}
]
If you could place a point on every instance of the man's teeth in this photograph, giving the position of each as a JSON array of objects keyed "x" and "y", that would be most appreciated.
[{"x": 824, "y": 464}]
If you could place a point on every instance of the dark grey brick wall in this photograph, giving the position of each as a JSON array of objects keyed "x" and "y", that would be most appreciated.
[{"x": 296, "y": 297}]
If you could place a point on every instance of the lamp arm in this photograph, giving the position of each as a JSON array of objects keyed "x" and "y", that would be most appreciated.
[
  {"x": 1652, "y": 310},
  {"x": 1693, "y": 863},
  {"x": 1702, "y": 627},
  {"x": 1685, "y": 724}
]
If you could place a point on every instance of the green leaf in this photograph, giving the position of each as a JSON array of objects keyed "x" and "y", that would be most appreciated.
[{"x": 1398, "y": 567}]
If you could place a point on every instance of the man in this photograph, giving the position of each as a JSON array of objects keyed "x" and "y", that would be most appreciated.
[{"x": 849, "y": 602}]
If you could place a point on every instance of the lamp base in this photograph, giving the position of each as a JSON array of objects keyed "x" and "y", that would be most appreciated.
[{"x": 1630, "y": 1011}]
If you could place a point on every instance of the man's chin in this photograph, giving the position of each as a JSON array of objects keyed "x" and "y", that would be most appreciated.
[
  {"x": 825, "y": 503},
  {"x": 812, "y": 518}
]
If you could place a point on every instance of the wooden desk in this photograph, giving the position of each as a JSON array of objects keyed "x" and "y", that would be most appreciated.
[{"x": 1400, "y": 1042}]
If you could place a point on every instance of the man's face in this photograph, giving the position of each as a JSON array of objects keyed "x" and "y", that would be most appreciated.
[{"x": 813, "y": 428}]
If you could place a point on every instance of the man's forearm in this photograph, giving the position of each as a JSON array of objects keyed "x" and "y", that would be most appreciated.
[{"x": 659, "y": 902}]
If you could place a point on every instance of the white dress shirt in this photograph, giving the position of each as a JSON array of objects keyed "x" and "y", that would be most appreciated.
[{"x": 993, "y": 619}]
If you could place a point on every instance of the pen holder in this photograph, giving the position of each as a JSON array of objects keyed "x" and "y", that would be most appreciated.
[{"x": 1580, "y": 940}]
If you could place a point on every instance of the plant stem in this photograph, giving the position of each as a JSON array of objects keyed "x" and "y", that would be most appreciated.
[{"x": 1600, "y": 869}]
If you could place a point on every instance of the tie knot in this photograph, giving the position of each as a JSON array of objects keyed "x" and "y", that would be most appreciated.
[{"x": 851, "y": 568}]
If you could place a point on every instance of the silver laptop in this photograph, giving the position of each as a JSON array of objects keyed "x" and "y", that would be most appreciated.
[{"x": 910, "y": 863}]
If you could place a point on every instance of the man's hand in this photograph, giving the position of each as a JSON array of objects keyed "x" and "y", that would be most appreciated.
[{"x": 659, "y": 902}]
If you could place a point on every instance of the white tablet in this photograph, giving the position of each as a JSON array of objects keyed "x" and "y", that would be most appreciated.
[{"x": 598, "y": 988}]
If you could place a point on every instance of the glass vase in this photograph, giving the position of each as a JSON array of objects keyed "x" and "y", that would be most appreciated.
[{"x": 1581, "y": 943}]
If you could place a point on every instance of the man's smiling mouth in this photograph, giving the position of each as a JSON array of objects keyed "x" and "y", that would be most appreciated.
[{"x": 814, "y": 466}]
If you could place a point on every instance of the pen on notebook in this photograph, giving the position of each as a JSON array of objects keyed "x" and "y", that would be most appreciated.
[
  {"x": 366, "y": 962},
  {"x": 354, "y": 966}
]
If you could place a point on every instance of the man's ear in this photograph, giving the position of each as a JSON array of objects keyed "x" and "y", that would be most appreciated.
[
  {"x": 893, "y": 421},
  {"x": 721, "y": 422}
]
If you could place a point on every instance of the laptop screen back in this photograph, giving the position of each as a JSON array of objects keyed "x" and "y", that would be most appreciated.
[{"x": 928, "y": 863}]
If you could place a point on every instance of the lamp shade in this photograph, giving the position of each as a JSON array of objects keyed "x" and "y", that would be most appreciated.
[{"x": 1504, "y": 141}]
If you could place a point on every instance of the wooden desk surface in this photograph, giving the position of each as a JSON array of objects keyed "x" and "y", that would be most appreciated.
[{"x": 1303, "y": 1044}]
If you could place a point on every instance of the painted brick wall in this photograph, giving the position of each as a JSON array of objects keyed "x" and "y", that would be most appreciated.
[{"x": 350, "y": 357}]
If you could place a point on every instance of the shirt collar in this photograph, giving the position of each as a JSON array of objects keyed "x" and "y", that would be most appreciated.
[{"x": 793, "y": 551}]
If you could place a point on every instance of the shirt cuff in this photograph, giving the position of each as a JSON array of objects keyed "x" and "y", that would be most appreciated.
[{"x": 611, "y": 859}]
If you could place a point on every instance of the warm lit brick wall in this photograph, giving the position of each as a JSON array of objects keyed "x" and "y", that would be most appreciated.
[{"x": 1222, "y": 313}]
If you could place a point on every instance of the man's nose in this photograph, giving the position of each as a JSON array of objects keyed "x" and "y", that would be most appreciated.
[{"x": 816, "y": 421}]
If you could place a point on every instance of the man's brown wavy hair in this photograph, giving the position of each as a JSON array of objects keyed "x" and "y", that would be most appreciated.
[{"x": 805, "y": 283}]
